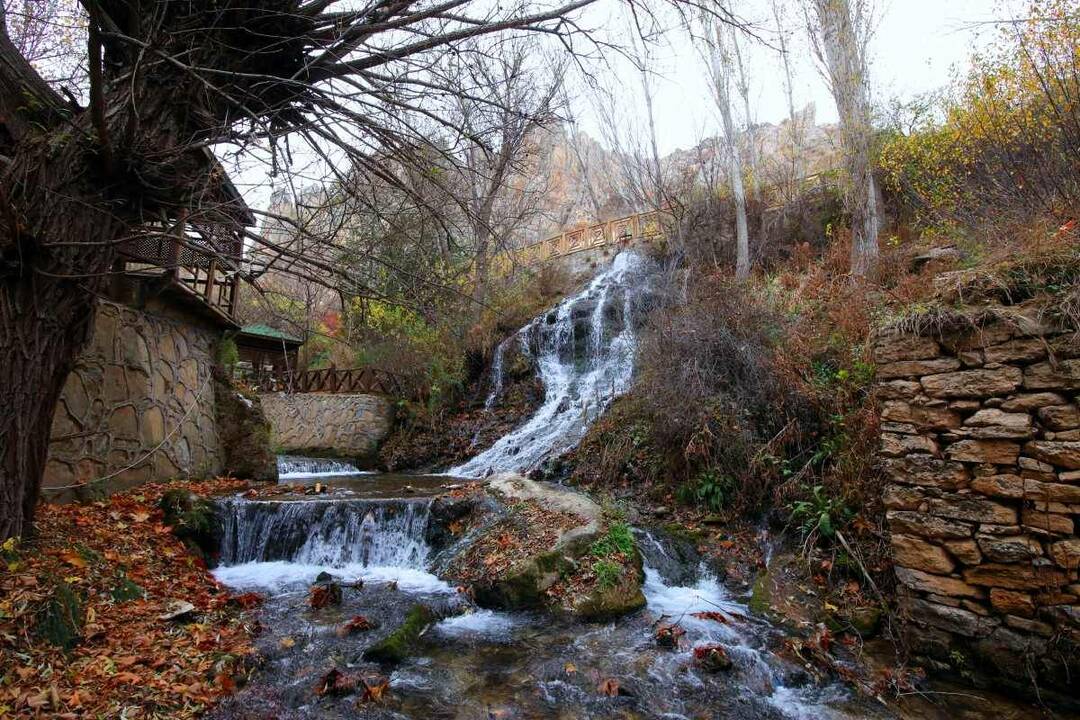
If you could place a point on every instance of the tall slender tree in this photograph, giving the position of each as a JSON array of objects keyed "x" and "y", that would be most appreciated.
[{"x": 841, "y": 30}]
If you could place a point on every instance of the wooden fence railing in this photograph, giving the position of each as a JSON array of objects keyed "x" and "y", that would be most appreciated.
[
  {"x": 337, "y": 380},
  {"x": 624, "y": 230}
]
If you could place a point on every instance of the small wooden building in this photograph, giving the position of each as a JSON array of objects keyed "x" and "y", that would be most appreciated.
[{"x": 264, "y": 350}]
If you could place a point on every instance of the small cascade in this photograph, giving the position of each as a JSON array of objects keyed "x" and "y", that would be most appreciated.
[
  {"x": 496, "y": 375},
  {"x": 584, "y": 349},
  {"x": 294, "y": 466},
  {"x": 333, "y": 533}
]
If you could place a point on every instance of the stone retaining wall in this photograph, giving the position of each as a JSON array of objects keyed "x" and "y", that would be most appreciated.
[
  {"x": 980, "y": 445},
  {"x": 143, "y": 382},
  {"x": 341, "y": 425}
]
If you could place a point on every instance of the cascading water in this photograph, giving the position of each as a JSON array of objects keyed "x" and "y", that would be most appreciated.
[
  {"x": 326, "y": 532},
  {"x": 584, "y": 349},
  {"x": 293, "y": 466}
]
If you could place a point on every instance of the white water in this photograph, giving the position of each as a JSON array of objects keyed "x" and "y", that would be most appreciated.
[
  {"x": 292, "y": 467},
  {"x": 276, "y": 576},
  {"x": 578, "y": 386}
]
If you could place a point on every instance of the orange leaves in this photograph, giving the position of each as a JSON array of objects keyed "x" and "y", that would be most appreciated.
[
  {"x": 247, "y": 601},
  {"x": 712, "y": 658},
  {"x": 374, "y": 690},
  {"x": 711, "y": 615},
  {"x": 668, "y": 635},
  {"x": 126, "y": 658},
  {"x": 324, "y": 595},
  {"x": 359, "y": 623},
  {"x": 608, "y": 687}
]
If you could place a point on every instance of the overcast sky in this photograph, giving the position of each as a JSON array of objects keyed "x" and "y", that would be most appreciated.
[
  {"x": 915, "y": 47},
  {"x": 918, "y": 45}
]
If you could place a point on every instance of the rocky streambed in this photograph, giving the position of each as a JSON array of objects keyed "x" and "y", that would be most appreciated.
[{"x": 510, "y": 599}]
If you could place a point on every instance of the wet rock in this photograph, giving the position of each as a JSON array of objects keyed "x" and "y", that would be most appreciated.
[
  {"x": 324, "y": 577},
  {"x": 405, "y": 640},
  {"x": 244, "y": 431},
  {"x": 712, "y": 658},
  {"x": 324, "y": 594}
]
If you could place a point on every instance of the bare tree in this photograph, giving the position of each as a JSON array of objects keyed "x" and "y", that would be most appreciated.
[
  {"x": 793, "y": 171},
  {"x": 501, "y": 104},
  {"x": 840, "y": 30},
  {"x": 166, "y": 82},
  {"x": 718, "y": 42}
]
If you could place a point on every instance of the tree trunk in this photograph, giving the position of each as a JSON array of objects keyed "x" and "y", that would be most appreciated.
[
  {"x": 44, "y": 323},
  {"x": 58, "y": 233}
]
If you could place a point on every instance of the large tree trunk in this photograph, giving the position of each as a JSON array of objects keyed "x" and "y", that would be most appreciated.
[
  {"x": 58, "y": 232},
  {"x": 44, "y": 323}
]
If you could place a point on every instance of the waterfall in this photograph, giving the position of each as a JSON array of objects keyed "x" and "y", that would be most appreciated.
[
  {"x": 294, "y": 466},
  {"x": 331, "y": 533},
  {"x": 584, "y": 349}
]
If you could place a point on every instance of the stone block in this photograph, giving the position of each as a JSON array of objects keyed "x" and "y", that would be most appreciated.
[
  {"x": 897, "y": 445},
  {"x": 1011, "y": 486},
  {"x": 1046, "y": 522},
  {"x": 980, "y": 383},
  {"x": 1070, "y": 476},
  {"x": 1060, "y": 417},
  {"x": 921, "y": 416},
  {"x": 966, "y": 551},
  {"x": 918, "y": 554},
  {"x": 1035, "y": 627},
  {"x": 951, "y": 619},
  {"x": 973, "y": 508},
  {"x": 1065, "y": 375},
  {"x": 992, "y": 417},
  {"x": 1060, "y": 454},
  {"x": 901, "y": 497},
  {"x": 152, "y": 428},
  {"x": 937, "y": 584},
  {"x": 896, "y": 347},
  {"x": 993, "y": 452},
  {"x": 1016, "y": 576},
  {"x": 1012, "y": 602},
  {"x": 916, "y": 368},
  {"x": 1009, "y": 548},
  {"x": 926, "y": 471},
  {"x": 1031, "y": 401},
  {"x": 1065, "y": 553},
  {"x": 926, "y": 525},
  {"x": 124, "y": 423},
  {"x": 1018, "y": 350},
  {"x": 898, "y": 390}
]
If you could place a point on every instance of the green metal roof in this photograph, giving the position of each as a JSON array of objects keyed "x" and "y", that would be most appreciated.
[{"x": 269, "y": 332}]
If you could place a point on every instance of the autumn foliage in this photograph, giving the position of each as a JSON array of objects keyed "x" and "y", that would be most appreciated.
[{"x": 97, "y": 578}]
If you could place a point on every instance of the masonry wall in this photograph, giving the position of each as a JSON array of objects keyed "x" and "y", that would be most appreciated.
[
  {"x": 341, "y": 425},
  {"x": 980, "y": 444},
  {"x": 139, "y": 404}
]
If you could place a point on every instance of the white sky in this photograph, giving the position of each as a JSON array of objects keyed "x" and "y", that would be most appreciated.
[
  {"x": 918, "y": 45},
  {"x": 915, "y": 47}
]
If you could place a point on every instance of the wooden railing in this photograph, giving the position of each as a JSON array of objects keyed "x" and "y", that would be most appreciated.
[
  {"x": 623, "y": 231},
  {"x": 366, "y": 380}
]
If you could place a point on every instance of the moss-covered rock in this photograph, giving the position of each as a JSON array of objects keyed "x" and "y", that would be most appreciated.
[
  {"x": 244, "y": 432},
  {"x": 761, "y": 595},
  {"x": 60, "y": 620},
  {"x": 607, "y": 603},
  {"x": 404, "y": 641},
  {"x": 191, "y": 518},
  {"x": 524, "y": 586}
]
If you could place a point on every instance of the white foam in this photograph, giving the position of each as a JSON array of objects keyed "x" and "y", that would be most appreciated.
[
  {"x": 481, "y": 623},
  {"x": 279, "y": 575}
]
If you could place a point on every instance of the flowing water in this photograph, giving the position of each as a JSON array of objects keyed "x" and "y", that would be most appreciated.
[
  {"x": 384, "y": 537},
  {"x": 584, "y": 349}
]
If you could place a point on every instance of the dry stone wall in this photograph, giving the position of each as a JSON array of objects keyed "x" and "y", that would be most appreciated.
[
  {"x": 139, "y": 404},
  {"x": 340, "y": 425},
  {"x": 980, "y": 445}
]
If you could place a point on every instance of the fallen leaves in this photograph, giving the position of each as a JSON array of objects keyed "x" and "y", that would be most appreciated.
[
  {"x": 323, "y": 595},
  {"x": 125, "y": 662},
  {"x": 669, "y": 634},
  {"x": 711, "y": 615},
  {"x": 608, "y": 687},
  {"x": 357, "y": 624},
  {"x": 712, "y": 658}
]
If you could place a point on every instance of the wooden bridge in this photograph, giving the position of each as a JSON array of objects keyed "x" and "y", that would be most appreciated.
[{"x": 620, "y": 232}]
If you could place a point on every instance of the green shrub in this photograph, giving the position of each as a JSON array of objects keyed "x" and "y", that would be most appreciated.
[
  {"x": 607, "y": 573},
  {"x": 819, "y": 514}
]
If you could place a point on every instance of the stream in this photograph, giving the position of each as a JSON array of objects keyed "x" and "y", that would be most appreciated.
[
  {"x": 384, "y": 538},
  {"x": 479, "y": 663}
]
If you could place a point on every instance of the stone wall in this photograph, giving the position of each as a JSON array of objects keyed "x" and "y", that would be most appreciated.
[
  {"x": 139, "y": 404},
  {"x": 346, "y": 426},
  {"x": 980, "y": 445}
]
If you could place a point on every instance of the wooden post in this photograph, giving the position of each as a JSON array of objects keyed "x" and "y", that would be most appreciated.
[
  {"x": 210, "y": 271},
  {"x": 172, "y": 260}
]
